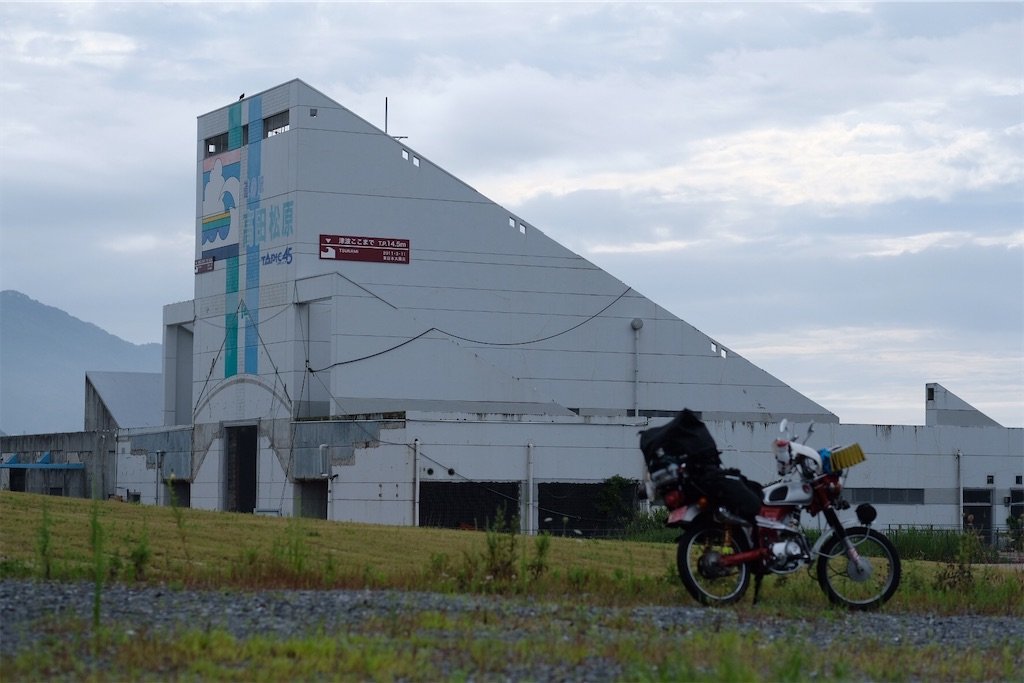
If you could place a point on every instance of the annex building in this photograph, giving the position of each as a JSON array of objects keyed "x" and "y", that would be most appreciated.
[{"x": 372, "y": 339}]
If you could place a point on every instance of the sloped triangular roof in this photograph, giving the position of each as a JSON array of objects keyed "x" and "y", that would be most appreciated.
[
  {"x": 943, "y": 407},
  {"x": 134, "y": 399}
]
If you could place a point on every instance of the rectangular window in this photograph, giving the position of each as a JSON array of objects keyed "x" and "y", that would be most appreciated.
[
  {"x": 886, "y": 496},
  {"x": 978, "y": 496},
  {"x": 216, "y": 144},
  {"x": 276, "y": 124}
]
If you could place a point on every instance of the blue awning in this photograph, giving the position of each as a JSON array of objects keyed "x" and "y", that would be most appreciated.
[{"x": 44, "y": 463}]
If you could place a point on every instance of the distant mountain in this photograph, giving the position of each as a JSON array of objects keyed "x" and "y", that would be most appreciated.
[{"x": 44, "y": 355}]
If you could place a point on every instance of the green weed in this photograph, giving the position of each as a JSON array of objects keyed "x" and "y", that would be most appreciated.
[
  {"x": 140, "y": 556},
  {"x": 45, "y": 543}
]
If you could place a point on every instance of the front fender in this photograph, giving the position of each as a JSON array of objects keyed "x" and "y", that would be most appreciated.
[{"x": 824, "y": 538}]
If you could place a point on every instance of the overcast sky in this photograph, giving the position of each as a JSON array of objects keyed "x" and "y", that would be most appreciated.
[{"x": 834, "y": 191}]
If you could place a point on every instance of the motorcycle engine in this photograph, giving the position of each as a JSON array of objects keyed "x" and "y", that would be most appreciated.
[{"x": 786, "y": 556}]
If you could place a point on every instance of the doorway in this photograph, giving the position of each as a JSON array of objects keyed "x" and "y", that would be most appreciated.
[
  {"x": 313, "y": 500},
  {"x": 978, "y": 513},
  {"x": 240, "y": 469}
]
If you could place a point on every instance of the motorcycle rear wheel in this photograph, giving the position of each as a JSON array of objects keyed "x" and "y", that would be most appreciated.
[
  {"x": 707, "y": 581},
  {"x": 865, "y": 586}
]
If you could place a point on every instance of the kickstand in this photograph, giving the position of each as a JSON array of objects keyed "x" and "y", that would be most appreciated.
[{"x": 757, "y": 586}]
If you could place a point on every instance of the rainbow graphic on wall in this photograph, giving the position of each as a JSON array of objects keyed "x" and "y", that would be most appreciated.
[{"x": 222, "y": 189}]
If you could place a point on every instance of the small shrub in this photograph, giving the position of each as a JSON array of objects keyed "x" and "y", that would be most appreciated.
[
  {"x": 539, "y": 564},
  {"x": 1016, "y": 527},
  {"x": 958, "y": 574},
  {"x": 140, "y": 556},
  {"x": 500, "y": 559}
]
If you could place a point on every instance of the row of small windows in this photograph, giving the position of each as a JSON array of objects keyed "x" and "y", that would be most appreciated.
[
  {"x": 916, "y": 496},
  {"x": 411, "y": 157},
  {"x": 885, "y": 496},
  {"x": 272, "y": 125}
]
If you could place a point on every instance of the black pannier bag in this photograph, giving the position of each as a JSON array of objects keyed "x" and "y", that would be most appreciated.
[
  {"x": 684, "y": 437},
  {"x": 733, "y": 491}
]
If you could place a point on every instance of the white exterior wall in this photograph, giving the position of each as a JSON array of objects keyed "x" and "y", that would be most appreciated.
[
  {"x": 132, "y": 475},
  {"x": 378, "y": 486},
  {"x": 208, "y": 486},
  {"x": 274, "y": 492}
]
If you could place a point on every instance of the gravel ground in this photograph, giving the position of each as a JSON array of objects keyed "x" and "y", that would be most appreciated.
[{"x": 293, "y": 612}]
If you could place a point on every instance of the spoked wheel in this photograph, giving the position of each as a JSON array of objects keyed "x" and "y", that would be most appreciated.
[
  {"x": 700, "y": 550},
  {"x": 864, "y": 582}
]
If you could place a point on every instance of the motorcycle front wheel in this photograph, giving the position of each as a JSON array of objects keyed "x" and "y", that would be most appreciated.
[
  {"x": 864, "y": 583},
  {"x": 699, "y": 552}
]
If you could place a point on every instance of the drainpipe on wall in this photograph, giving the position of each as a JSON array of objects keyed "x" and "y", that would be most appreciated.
[
  {"x": 416, "y": 482},
  {"x": 636, "y": 324},
  {"x": 159, "y": 471},
  {"x": 325, "y": 472},
  {"x": 531, "y": 504},
  {"x": 959, "y": 489}
]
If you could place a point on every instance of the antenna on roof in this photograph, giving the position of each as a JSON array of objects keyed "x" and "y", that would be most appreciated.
[{"x": 397, "y": 137}]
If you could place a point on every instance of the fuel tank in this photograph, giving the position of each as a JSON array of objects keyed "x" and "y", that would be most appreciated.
[{"x": 787, "y": 493}]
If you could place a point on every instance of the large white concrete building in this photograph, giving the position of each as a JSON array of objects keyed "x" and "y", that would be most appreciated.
[{"x": 372, "y": 339}]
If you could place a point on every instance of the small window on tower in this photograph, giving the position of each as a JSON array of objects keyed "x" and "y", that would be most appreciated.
[
  {"x": 216, "y": 144},
  {"x": 276, "y": 124},
  {"x": 312, "y": 112}
]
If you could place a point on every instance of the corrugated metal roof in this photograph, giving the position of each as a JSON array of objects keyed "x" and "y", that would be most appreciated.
[{"x": 135, "y": 399}]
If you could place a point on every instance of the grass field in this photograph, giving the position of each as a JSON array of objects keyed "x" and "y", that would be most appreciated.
[{"x": 67, "y": 539}]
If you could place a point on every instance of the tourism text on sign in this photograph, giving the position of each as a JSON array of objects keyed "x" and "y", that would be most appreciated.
[{"x": 358, "y": 248}]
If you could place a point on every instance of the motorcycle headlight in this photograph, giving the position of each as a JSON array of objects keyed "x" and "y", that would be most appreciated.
[{"x": 866, "y": 513}]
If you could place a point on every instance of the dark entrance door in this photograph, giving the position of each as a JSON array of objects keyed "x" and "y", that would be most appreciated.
[
  {"x": 313, "y": 498},
  {"x": 978, "y": 513},
  {"x": 240, "y": 466}
]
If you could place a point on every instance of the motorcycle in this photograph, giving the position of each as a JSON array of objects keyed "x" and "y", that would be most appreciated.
[{"x": 856, "y": 566}]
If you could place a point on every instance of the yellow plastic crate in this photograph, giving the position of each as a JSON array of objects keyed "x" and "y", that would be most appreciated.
[{"x": 847, "y": 456}]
